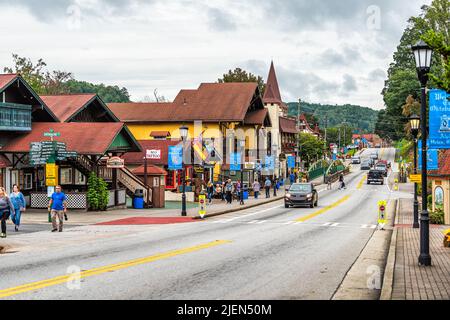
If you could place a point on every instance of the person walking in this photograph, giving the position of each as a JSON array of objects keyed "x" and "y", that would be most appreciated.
[
  {"x": 240, "y": 192},
  {"x": 210, "y": 191},
  {"x": 58, "y": 208},
  {"x": 275, "y": 186},
  {"x": 341, "y": 182},
  {"x": 19, "y": 205},
  {"x": 229, "y": 191},
  {"x": 256, "y": 188},
  {"x": 6, "y": 208},
  {"x": 267, "y": 185},
  {"x": 219, "y": 191}
]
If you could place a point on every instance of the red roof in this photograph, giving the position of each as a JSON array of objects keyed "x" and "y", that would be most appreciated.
[
  {"x": 151, "y": 170},
  {"x": 257, "y": 117},
  {"x": 6, "y": 79},
  {"x": 162, "y": 145},
  {"x": 4, "y": 162},
  {"x": 272, "y": 93},
  {"x": 84, "y": 138},
  {"x": 288, "y": 125},
  {"x": 443, "y": 163},
  {"x": 211, "y": 102},
  {"x": 65, "y": 106}
]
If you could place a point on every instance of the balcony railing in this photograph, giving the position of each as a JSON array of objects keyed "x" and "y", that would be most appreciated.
[{"x": 15, "y": 117}]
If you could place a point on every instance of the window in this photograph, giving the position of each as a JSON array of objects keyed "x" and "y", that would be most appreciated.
[
  {"x": 80, "y": 179},
  {"x": 66, "y": 176},
  {"x": 28, "y": 181}
]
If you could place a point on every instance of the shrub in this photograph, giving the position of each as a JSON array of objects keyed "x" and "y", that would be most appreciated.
[
  {"x": 437, "y": 217},
  {"x": 98, "y": 194}
]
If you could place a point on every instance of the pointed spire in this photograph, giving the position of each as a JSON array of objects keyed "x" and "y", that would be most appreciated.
[{"x": 272, "y": 93}]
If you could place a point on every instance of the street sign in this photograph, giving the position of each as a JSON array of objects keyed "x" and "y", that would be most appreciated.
[
  {"x": 51, "y": 175},
  {"x": 153, "y": 154},
  {"x": 415, "y": 178},
  {"x": 202, "y": 205},
  {"x": 382, "y": 214},
  {"x": 439, "y": 113},
  {"x": 52, "y": 134},
  {"x": 115, "y": 163}
]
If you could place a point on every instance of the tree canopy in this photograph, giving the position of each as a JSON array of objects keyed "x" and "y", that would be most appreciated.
[{"x": 240, "y": 75}]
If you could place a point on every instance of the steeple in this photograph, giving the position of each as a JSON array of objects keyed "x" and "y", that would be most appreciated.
[{"x": 272, "y": 93}]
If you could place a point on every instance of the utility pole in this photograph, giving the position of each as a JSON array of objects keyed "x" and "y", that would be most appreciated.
[{"x": 297, "y": 154}]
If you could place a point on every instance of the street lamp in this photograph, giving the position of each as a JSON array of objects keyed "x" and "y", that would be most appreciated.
[
  {"x": 414, "y": 121},
  {"x": 242, "y": 150},
  {"x": 423, "y": 54},
  {"x": 183, "y": 133}
]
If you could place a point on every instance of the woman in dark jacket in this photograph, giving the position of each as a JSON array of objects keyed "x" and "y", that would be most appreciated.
[{"x": 5, "y": 210}]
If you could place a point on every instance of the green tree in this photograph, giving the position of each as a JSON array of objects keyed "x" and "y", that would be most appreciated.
[
  {"x": 93, "y": 197},
  {"x": 240, "y": 75},
  {"x": 107, "y": 93},
  {"x": 311, "y": 148}
]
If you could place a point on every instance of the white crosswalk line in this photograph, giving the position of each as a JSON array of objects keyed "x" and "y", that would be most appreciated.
[
  {"x": 289, "y": 222},
  {"x": 261, "y": 222},
  {"x": 326, "y": 224},
  {"x": 364, "y": 226},
  {"x": 373, "y": 226},
  {"x": 252, "y": 222},
  {"x": 334, "y": 224},
  {"x": 298, "y": 222}
]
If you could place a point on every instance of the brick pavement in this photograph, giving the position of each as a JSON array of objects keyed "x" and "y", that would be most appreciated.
[{"x": 411, "y": 281}]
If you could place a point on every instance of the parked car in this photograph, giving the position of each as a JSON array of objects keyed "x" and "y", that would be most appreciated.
[
  {"x": 380, "y": 166},
  {"x": 356, "y": 159},
  {"x": 301, "y": 194},
  {"x": 375, "y": 176},
  {"x": 366, "y": 165}
]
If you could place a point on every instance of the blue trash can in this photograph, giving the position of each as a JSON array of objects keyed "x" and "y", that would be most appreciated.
[
  {"x": 138, "y": 200},
  {"x": 245, "y": 195}
]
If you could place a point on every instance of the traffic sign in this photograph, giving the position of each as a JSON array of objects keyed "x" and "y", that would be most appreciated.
[
  {"x": 415, "y": 178},
  {"x": 202, "y": 205},
  {"x": 382, "y": 214}
]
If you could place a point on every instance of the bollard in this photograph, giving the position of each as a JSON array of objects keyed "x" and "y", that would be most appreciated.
[
  {"x": 382, "y": 214},
  {"x": 202, "y": 205}
]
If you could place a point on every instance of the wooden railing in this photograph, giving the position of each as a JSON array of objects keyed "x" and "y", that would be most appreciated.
[{"x": 133, "y": 183}]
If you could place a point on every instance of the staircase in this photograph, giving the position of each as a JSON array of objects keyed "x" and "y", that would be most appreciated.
[{"x": 124, "y": 176}]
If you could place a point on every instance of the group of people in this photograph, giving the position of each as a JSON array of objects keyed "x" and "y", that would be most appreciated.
[{"x": 13, "y": 205}]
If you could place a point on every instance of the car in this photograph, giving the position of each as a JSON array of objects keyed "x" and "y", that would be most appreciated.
[
  {"x": 374, "y": 156},
  {"x": 380, "y": 166},
  {"x": 356, "y": 159},
  {"x": 301, "y": 194},
  {"x": 375, "y": 176},
  {"x": 366, "y": 165}
]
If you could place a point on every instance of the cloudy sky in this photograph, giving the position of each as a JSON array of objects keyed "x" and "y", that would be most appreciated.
[{"x": 324, "y": 51}]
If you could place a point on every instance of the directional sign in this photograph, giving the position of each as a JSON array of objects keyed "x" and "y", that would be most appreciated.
[
  {"x": 415, "y": 178},
  {"x": 382, "y": 214}
]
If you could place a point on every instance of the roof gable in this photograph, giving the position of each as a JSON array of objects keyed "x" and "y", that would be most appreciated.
[{"x": 272, "y": 93}]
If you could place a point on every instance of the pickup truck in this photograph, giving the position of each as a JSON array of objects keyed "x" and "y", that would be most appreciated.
[{"x": 375, "y": 176}]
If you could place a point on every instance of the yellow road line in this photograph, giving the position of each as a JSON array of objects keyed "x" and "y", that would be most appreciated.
[
  {"x": 323, "y": 210},
  {"x": 360, "y": 184},
  {"x": 96, "y": 271}
]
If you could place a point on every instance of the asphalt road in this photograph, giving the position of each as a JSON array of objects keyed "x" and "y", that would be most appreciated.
[{"x": 267, "y": 252}]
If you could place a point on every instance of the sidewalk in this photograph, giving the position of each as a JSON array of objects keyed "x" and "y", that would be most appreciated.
[
  {"x": 87, "y": 218},
  {"x": 411, "y": 281}
]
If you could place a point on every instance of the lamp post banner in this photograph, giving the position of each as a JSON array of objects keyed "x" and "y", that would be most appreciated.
[
  {"x": 175, "y": 157},
  {"x": 235, "y": 161},
  {"x": 439, "y": 120},
  {"x": 432, "y": 157},
  {"x": 291, "y": 162}
]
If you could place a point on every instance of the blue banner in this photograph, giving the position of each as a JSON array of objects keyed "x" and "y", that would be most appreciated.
[
  {"x": 270, "y": 163},
  {"x": 439, "y": 120},
  {"x": 432, "y": 157},
  {"x": 175, "y": 157},
  {"x": 235, "y": 161},
  {"x": 291, "y": 162}
]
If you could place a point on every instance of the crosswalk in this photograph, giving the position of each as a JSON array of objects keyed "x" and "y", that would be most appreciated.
[{"x": 293, "y": 223}]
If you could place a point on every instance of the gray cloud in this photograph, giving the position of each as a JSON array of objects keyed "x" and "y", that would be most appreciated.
[
  {"x": 220, "y": 20},
  {"x": 331, "y": 57},
  {"x": 377, "y": 74},
  {"x": 349, "y": 84}
]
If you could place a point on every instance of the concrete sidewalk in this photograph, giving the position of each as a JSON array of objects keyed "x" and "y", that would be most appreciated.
[
  {"x": 408, "y": 280},
  {"x": 217, "y": 207}
]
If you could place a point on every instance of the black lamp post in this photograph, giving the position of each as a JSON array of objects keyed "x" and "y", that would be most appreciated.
[
  {"x": 423, "y": 54},
  {"x": 414, "y": 121},
  {"x": 242, "y": 150},
  {"x": 183, "y": 133}
]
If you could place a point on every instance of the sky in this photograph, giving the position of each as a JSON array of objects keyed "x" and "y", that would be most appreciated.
[{"x": 327, "y": 51}]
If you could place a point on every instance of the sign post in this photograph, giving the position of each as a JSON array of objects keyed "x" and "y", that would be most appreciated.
[
  {"x": 382, "y": 214},
  {"x": 202, "y": 205}
]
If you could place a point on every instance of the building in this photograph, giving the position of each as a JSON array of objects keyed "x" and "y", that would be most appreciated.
[
  {"x": 441, "y": 185},
  {"x": 282, "y": 137},
  {"x": 77, "y": 123},
  {"x": 217, "y": 116}
]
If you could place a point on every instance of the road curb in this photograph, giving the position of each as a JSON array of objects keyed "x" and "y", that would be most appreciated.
[
  {"x": 388, "y": 279},
  {"x": 210, "y": 215}
]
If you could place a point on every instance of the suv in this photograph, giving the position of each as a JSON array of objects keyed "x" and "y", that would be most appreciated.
[
  {"x": 356, "y": 159},
  {"x": 375, "y": 176},
  {"x": 301, "y": 194},
  {"x": 380, "y": 166}
]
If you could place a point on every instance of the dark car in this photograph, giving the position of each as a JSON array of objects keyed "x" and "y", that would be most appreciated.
[
  {"x": 301, "y": 194},
  {"x": 375, "y": 176},
  {"x": 382, "y": 167}
]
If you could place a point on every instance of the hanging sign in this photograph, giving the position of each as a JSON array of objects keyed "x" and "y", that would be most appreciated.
[{"x": 439, "y": 113}]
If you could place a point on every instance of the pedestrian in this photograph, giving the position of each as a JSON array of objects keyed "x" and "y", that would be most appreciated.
[
  {"x": 292, "y": 178},
  {"x": 267, "y": 185},
  {"x": 219, "y": 191},
  {"x": 341, "y": 182},
  {"x": 6, "y": 208},
  {"x": 328, "y": 183},
  {"x": 58, "y": 208},
  {"x": 210, "y": 191},
  {"x": 256, "y": 188},
  {"x": 229, "y": 191},
  {"x": 275, "y": 183},
  {"x": 19, "y": 204},
  {"x": 240, "y": 192}
]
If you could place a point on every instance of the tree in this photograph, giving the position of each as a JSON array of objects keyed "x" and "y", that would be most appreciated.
[
  {"x": 311, "y": 147},
  {"x": 411, "y": 106},
  {"x": 46, "y": 82},
  {"x": 240, "y": 75}
]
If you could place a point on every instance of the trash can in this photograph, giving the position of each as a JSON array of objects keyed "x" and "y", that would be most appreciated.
[
  {"x": 245, "y": 191},
  {"x": 138, "y": 199}
]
